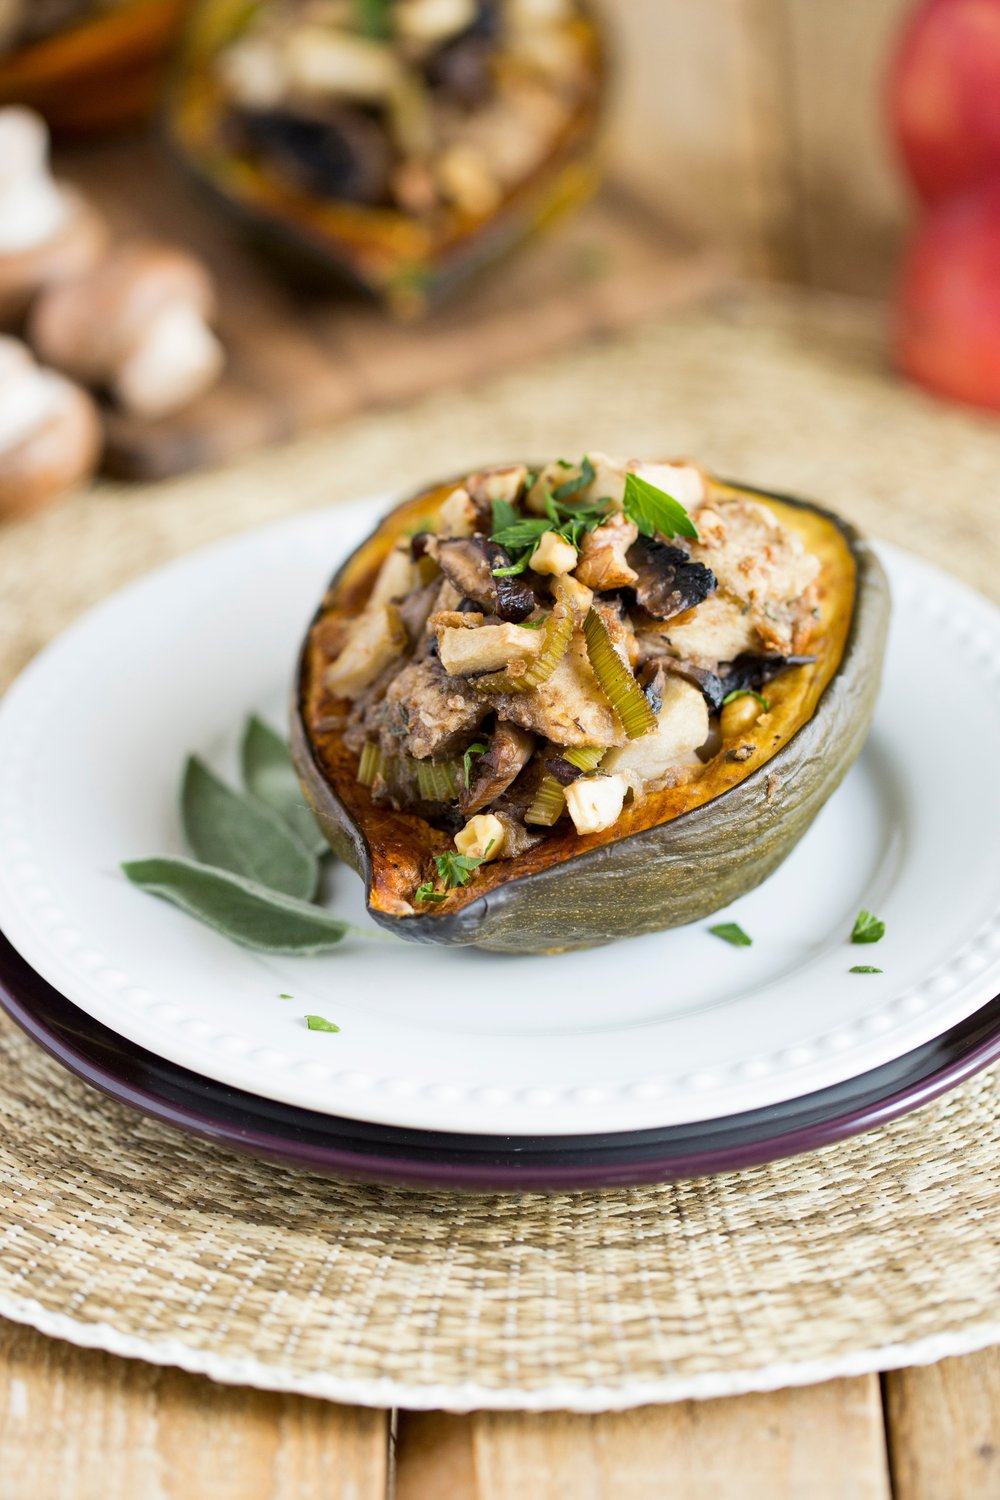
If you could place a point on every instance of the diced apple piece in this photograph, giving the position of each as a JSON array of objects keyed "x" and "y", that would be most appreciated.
[
  {"x": 489, "y": 649},
  {"x": 682, "y": 725},
  {"x": 375, "y": 640}
]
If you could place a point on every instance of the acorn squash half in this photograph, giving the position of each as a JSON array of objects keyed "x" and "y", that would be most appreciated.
[
  {"x": 315, "y": 194},
  {"x": 672, "y": 858}
]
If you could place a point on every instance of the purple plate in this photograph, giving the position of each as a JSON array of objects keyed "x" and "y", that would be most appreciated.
[{"x": 382, "y": 1153}]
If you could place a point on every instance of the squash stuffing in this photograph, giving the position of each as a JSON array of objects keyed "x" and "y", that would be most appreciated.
[{"x": 544, "y": 707}]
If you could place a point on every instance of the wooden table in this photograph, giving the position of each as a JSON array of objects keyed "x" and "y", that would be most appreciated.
[{"x": 78, "y": 1425}]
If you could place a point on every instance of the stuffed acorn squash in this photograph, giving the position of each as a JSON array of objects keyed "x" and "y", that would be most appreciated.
[
  {"x": 540, "y": 709},
  {"x": 404, "y": 144}
]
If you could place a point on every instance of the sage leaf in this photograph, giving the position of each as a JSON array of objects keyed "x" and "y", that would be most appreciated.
[
  {"x": 235, "y": 832},
  {"x": 268, "y": 773},
  {"x": 239, "y": 909}
]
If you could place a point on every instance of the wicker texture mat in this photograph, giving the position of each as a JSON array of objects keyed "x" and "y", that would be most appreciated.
[{"x": 886, "y": 1249}]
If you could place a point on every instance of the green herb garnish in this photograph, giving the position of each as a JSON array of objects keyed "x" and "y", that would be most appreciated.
[
  {"x": 426, "y": 892},
  {"x": 867, "y": 928},
  {"x": 458, "y": 869},
  {"x": 569, "y": 487},
  {"x": 569, "y": 520},
  {"x": 532, "y": 624},
  {"x": 320, "y": 1023},
  {"x": 504, "y": 515},
  {"x": 654, "y": 510},
  {"x": 732, "y": 932},
  {"x": 864, "y": 969},
  {"x": 373, "y": 18},
  {"x": 454, "y": 869},
  {"x": 283, "y": 996},
  {"x": 476, "y": 749},
  {"x": 746, "y": 693}
]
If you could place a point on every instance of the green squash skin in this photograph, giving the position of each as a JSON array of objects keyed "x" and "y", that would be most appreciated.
[{"x": 679, "y": 871}]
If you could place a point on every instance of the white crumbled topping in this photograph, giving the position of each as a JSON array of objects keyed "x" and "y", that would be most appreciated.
[
  {"x": 595, "y": 802},
  {"x": 553, "y": 555}
]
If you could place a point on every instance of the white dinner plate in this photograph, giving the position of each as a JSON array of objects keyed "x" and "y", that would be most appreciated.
[{"x": 659, "y": 1030}]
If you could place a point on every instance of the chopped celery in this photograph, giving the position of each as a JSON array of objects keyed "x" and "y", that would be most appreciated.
[{"x": 617, "y": 683}]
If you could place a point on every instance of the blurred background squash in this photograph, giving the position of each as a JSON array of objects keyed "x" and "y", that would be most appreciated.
[{"x": 87, "y": 65}]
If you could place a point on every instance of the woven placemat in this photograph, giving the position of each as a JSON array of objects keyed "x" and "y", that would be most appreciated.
[{"x": 118, "y": 1232}]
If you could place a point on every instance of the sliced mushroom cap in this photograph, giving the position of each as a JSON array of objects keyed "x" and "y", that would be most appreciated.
[
  {"x": 752, "y": 670},
  {"x": 653, "y": 678},
  {"x": 509, "y": 751},
  {"x": 667, "y": 581},
  {"x": 468, "y": 563},
  {"x": 342, "y": 153}
]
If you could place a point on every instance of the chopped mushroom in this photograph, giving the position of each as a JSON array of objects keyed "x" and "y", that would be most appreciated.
[
  {"x": 468, "y": 563},
  {"x": 493, "y": 772},
  {"x": 426, "y": 712},
  {"x": 667, "y": 582}
]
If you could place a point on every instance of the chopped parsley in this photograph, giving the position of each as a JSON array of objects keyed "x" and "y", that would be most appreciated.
[
  {"x": 867, "y": 928},
  {"x": 732, "y": 932},
  {"x": 746, "y": 693},
  {"x": 654, "y": 510},
  {"x": 476, "y": 749},
  {"x": 320, "y": 1023},
  {"x": 283, "y": 996},
  {"x": 864, "y": 969},
  {"x": 426, "y": 892},
  {"x": 579, "y": 482},
  {"x": 569, "y": 519},
  {"x": 454, "y": 870}
]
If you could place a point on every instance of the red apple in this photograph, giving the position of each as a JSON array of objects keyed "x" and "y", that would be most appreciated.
[
  {"x": 944, "y": 95},
  {"x": 947, "y": 314}
]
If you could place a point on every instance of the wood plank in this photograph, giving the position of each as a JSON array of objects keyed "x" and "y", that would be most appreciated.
[
  {"x": 943, "y": 1423},
  {"x": 821, "y": 1442},
  {"x": 701, "y": 128},
  {"x": 851, "y": 203},
  {"x": 79, "y": 1425}
]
